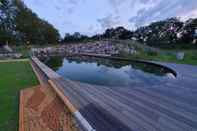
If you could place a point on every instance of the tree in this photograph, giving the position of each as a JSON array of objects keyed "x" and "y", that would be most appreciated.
[
  {"x": 108, "y": 33},
  {"x": 161, "y": 33},
  {"x": 118, "y": 33},
  {"x": 189, "y": 31},
  {"x": 19, "y": 25},
  {"x": 123, "y": 33},
  {"x": 7, "y": 15},
  {"x": 75, "y": 37},
  {"x": 33, "y": 30}
]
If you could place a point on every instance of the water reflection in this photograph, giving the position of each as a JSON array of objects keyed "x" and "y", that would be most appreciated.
[{"x": 106, "y": 72}]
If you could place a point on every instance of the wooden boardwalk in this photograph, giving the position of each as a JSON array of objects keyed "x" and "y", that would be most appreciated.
[
  {"x": 135, "y": 108},
  {"x": 168, "y": 107}
]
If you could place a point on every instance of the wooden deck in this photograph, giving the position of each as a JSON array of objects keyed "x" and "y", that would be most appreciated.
[
  {"x": 135, "y": 108},
  {"x": 169, "y": 107}
]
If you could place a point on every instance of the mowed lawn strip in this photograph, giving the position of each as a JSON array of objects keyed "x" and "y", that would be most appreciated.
[{"x": 14, "y": 76}]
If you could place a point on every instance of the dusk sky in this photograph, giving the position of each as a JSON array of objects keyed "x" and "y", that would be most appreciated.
[{"x": 94, "y": 16}]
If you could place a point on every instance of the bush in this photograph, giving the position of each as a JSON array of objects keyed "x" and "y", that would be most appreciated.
[{"x": 152, "y": 53}]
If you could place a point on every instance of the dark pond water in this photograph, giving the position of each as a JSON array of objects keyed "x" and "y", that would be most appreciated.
[{"x": 107, "y": 72}]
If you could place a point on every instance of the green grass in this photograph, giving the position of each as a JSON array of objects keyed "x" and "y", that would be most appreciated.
[
  {"x": 168, "y": 56},
  {"x": 14, "y": 76},
  {"x": 147, "y": 53}
]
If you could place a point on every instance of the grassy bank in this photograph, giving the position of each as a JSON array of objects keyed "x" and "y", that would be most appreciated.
[
  {"x": 145, "y": 52},
  {"x": 14, "y": 77},
  {"x": 166, "y": 56}
]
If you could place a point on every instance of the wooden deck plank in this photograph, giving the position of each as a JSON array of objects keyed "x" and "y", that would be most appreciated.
[
  {"x": 89, "y": 100},
  {"x": 190, "y": 113},
  {"x": 102, "y": 104},
  {"x": 102, "y": 99},
  {"x": 122, "y": 110},
  {"x": 181, "y": 96},
  {"x": 180, "y": 124},
  {"x": 179, "y": 105},
  {"x": 135, "y": 103}
]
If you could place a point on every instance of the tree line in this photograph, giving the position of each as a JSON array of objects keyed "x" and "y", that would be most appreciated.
[
  {"x": 169, "y": 33},
  {"x": 19, "y": 25}
]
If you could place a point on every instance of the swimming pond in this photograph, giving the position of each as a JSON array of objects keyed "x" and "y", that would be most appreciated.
[{"x": 108, "y": 72}]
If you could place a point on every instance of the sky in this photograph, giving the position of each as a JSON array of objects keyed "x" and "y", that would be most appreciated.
[{"x": 94, "y": 16}]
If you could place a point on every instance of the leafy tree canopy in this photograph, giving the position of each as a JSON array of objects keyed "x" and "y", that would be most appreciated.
[{"x": 19, "y": 25}]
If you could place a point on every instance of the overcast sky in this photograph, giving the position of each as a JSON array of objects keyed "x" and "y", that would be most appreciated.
[{"x": 94, "y": 16}]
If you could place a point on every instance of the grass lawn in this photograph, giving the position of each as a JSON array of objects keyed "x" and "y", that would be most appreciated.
[
  {"x": 168, "y": 56},
  {"x": 14, "y": 76}
]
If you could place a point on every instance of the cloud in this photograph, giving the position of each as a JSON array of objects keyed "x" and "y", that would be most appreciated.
[
  {"x": 109, "y": 21},
  {"x": 96, "y": 15},
  {"x": 74, "y": 2},
  {"x": 68, "y": 5},
  {"x": 162, "y": 10},
  {"x": 117, "y": 4},
  {"x": 191, "y": 14},
  {"x": 147, "y": 1}
]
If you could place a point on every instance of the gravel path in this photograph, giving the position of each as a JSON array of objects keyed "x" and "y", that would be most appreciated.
[{"x": 44, "y": 111}]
